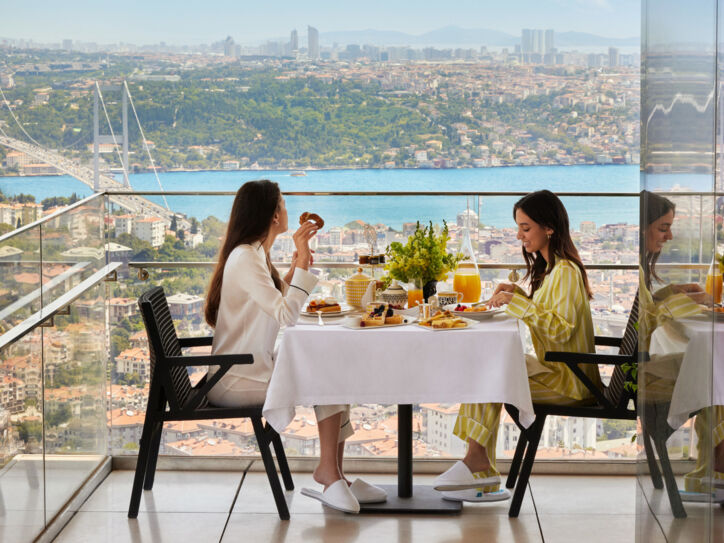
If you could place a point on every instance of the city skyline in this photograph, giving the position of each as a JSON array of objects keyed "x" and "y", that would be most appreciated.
[{"x": 145, "y": 23}]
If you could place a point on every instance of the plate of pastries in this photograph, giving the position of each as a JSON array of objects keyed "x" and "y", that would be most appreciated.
[
  {"x": 445, "y": 320},
  {"x": 329, "y": 307},
  {"x": 378, "y": 315},
  {"x": 476, "y": 312}
]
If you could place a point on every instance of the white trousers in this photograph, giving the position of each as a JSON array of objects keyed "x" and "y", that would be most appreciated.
[{"x": 239, "y": 392}]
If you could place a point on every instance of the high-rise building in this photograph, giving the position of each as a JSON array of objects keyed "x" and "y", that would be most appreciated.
[
  {"x": 526, "y": 41},
  {"x": 294, "y": 41},
  {"x": 68, "y": 45},
  {"x": 613, "y": 58},
  {"x": 313, "y": 43},
  {"x": 229, "y": 46},
  {"x": 549, "y": 41}
]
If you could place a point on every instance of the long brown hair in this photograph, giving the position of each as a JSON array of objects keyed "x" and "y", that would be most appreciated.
[
  {"x": 546, "y": 209},
  {"x": 652, "y": 206},
  {"x": 251, "y": 216}
]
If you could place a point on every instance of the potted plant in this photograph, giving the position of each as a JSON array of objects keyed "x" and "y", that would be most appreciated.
[{"x": 423, "y": 260}]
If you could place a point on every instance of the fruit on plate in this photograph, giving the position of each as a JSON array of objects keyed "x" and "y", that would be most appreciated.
[
  {"x": 379, "y": 314},
  {"x": 471, "y": 308}
]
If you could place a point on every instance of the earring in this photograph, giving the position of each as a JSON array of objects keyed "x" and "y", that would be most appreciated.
[{"x": 549, "y": 236}]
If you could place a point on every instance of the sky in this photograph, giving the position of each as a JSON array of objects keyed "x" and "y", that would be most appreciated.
[{"x": 249, "y": 22}]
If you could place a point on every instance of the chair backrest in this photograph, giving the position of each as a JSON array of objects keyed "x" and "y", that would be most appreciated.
[
  {"x": 163, "y": 342},
  {"x": 616, "y": 391}
]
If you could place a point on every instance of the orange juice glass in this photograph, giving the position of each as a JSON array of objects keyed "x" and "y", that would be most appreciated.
[
  {"x": 414, "y": 297},
  {"x": 714, "y": 286},
  {"x": 467, "y": 281}
]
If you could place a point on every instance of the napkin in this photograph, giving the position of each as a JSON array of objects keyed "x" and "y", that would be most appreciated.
[{"x": 370, "y": 293}]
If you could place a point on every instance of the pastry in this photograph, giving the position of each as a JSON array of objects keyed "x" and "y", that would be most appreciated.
[
  {"x": 316, "y": 219},
  {"x": 375, "y": 314},
  {"x": 326, "y": 305}
]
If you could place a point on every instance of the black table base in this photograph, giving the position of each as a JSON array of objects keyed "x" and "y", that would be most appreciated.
[
  {"x": 404, "y": 497},
  {"x": 423, "y": 500}
]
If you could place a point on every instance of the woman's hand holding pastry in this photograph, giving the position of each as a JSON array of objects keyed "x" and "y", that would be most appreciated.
[
  {"x": 301, "y": 241},
  {"x": 501, "y": 297}
]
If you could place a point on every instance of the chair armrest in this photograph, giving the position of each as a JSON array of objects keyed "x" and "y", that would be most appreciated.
[
  {"x": 587, "y": 358},
  {"x": 608, "y": 341},
  {"x": 195, "y": 341},
  {"x": 226, "y": 360}
]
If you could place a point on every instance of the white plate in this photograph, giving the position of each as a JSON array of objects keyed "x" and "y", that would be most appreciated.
[
  {"x": 708, "y": 314},
  {"x": 470, "y": 323},
  {"x": 346, "y": 310},
  {"x": 475, "y": 315},
  {"x": 353, "y": 323}
]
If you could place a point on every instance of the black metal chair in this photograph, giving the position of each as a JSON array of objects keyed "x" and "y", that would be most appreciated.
[
  {"x": 171, "y": 397},
  {"x": 613, "y": 402}
]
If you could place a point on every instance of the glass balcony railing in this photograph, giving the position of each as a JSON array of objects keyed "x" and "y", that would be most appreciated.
[
  {"x": 74, "y": 355},
  {"x": 53, "y": 357},
  {"x": 184, "y": 261}
]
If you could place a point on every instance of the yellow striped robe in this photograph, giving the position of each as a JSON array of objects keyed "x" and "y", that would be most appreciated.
[{"x": 559, "y": 319}]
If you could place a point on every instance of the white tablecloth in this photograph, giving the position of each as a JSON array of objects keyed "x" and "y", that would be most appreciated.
[
  {"x": 700, "y": 382},
  {"x": 322, "y": 365}
]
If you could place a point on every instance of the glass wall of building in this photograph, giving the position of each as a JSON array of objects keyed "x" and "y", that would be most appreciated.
[
  {"x": 681, "y": 335},
  {"x": 53, "y": 360}
]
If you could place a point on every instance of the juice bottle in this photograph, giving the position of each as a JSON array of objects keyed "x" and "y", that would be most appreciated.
[
  {"x": 467, "y": 278},
  {"x": 414, "y": 296},
  {"x": 714, "y": 282}
]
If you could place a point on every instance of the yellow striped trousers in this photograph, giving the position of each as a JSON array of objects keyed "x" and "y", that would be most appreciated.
[
  {"x": 480, "y": 421},
  {"x": 709, "y": 428}
]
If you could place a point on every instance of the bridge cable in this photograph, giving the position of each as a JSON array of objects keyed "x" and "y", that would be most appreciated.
[
  {"x": 16, "y": 119},
  {"x": 108, "y": 120},
  {"x": 145, "y": 144}
]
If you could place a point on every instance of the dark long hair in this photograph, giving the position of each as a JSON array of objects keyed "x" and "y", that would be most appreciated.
[
  {"x": 652, "y": 207},
  {"x": 546, "y": 209},
  {"x": 251, "y": 215}
]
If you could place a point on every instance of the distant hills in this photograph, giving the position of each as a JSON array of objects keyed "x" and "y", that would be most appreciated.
[{"x": 469, "y": 37}]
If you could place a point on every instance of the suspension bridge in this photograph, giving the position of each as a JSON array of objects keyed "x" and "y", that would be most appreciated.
[{"x": 133, "y": 203}]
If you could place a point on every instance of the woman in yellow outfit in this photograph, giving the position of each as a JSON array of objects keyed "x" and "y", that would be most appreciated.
[
  {"x": 659, "y": 375},
  {"x": 558, "y": 315}
]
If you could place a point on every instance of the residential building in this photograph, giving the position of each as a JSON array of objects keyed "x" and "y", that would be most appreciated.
[{"x": 150, "y": 229}]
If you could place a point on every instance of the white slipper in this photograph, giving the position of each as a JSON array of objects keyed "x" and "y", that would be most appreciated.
[
  {"x": 712, "y": 482},
  {"x": 716, "y": 497},
  {"x": 459, "y": 477},
  {"x": 367, "y": 493},
  {"x": 337, "y": 496},
  {"x": 476, "y": 495}
]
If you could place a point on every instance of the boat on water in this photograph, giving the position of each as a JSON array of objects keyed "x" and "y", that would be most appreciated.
[{"x": 298, "y": 173}]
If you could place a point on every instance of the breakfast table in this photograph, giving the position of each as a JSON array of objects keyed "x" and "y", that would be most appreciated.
[
  {"x": 700, "y": 380},
  {"x": 404, "y": 365}
]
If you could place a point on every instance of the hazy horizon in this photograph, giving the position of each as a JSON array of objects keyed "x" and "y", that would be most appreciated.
[{"x": 143, "y": 23}]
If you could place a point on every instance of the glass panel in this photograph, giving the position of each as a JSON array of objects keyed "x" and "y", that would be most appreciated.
[
  {"x": 22, "y": 486},
  {"x": 75, "y": 357},
  {"x": 678, "y": 338},
  {"x": 20, "y": 293}
]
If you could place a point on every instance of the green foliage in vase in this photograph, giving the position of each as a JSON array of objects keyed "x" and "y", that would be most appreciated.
[{"x": 424, "y": 257}]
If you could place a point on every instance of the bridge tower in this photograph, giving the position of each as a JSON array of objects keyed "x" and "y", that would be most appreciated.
[{"x": 98, "y": 139}]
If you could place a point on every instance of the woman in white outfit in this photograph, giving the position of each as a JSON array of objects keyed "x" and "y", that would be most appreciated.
[{"x": 247, "y": 302}]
